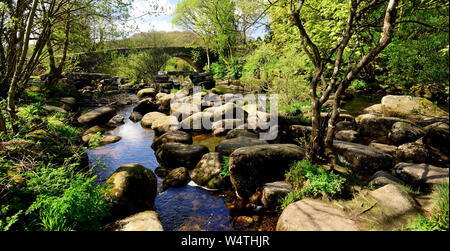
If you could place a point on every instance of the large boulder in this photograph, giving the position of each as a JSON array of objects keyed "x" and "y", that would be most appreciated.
[
  {"x": 201, "y": 121},
  {"x": 150, "y": 117},
  {"x": 252, "y": 167},
  {"x": 402, "y": 132},
  {"x": 165, "y": 124},
  {"x": 144, "y": 221},
  {"x": 395, "y": 198},
  {"x": 373, "y": 126},
  {"x": 347, "y": 135},
  {"x": 437, "y": 136},
  {"x": 273, "y": 192},
  {"x": 236, "y": 133},
  {"x": 177, "y": 177},
  {"x": 389, "y": 149},
  {"x": 173, "y": 155},
  {"x": 133, "y": 190},
  {"x": 146, "y": 93},
  {"x": 408, "y": 106},
  {"x": 208, "y": 171},
  {"x": 421, "y": 153},
  {"x": 174, "y": 137},
  {"x": 145, "y": 106},
  {"x": 382, "y": 178},
  {"x": 228, "y": 146},
  {"x": 420, "y": 174},
  {"x": 362, "y": 158},
  {"x": 98, "y": 116},
  {"x": 314, "y": 215}
]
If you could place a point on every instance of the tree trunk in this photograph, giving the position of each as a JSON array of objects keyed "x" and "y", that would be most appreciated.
[
  {"x": 11, "y": 106},
  {"x": 2, "y": 124},
  {"x": 316, "y": 148}
]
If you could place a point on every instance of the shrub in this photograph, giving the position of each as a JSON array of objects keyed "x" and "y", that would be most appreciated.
[
  {"x": 311, "y": 181},
  {"x": 82, "y": 207},
  {"x": 225, "y": 166}
]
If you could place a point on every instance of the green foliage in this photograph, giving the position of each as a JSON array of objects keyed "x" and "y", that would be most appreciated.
[
  {"x": 311, "y": 181},
  {"x": 174, "y": 91},
  {"x": 81, "y": 207},
  {"x": 225, "y": 166},
  {"x": 7, "y": 221},
  {"x": 94, "y": 141},
  {"x": 439, "y": 220}
]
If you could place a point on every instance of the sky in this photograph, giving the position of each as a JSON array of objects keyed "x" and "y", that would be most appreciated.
[
  {"x": 160, "y": 22},
  {"x": 140, "y": 21}
]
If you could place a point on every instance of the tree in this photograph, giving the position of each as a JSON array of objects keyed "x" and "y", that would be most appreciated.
[{"x": 328, "y": 55}]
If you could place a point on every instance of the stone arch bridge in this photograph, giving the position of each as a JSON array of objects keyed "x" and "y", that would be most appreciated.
[{"x": 194, "y": 56}]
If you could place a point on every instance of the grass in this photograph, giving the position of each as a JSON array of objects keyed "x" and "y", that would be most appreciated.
[
  {"x": 312, "y": 181},
  {"x": 438, "y": 221}
]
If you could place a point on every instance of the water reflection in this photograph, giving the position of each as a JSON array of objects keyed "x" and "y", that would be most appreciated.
[{"x": 186, "y": 208}]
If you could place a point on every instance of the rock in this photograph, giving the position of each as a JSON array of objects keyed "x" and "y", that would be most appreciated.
[
  {"x": 438, "y": 137},
  {"x": 176, "y": 178},
  {"x": 374, "y": 126},
  {"x": 134, "y": 190},
  {"x": 228, "y": 146},
  {"x": 408, "y": 106},
  {"x": 69, "y": 101},
  {"x": 419, "y": 174},
  {"x": 51, "y": 108},
  {"x": 146, "y": 93},
  {"x": 135, "y": 116},
  {"x": 173, "y": 137},
  {"x": 165, "y": 124},
  {"x": 201, "y": 121},
  {"x": 229, "y": 111},
  {"x": 236, "y": 133},
  {"x": 149, "y": 118},
  {"x": 98, "y": 116},
  {"x": 345, "y": 125},
  {"x": 207, "y": 173},
  {"x": 104, "y": 140},
  {"x": 313, "y": 215},
  {"x": 145, "y": 106},
  {"x": 402, "y": 132},
  {"x": 391, "y": 150},
  {"x": 382, "y": 178},
  {"x": 116, "y": 121},
  {"x": 144, "y": 221},
  {"x": 183, "y": 110},
  {"x": 172, "y": 155},
  {"x": 227, "y": 124},
  {"x": 273, "y": 192},
  {"x": 161, "y": 171},
  {"x": 347, "y": 135},
  {"x": 252, "y": 167},
  {"x": 299, "y": 131},
  {"x": 395, "y": 198},
  {"x": 361, "y": 158},
  {"x": 244, "y": 221},
  {"x": 375, "y": 109},
  {"x": 94, "y": 130},
  {"x": 421, "y": 153},
  {"x": 164, "y": 101}
]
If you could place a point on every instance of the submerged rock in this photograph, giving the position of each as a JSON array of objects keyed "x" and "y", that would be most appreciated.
[
  {"x": 252, "y": 167},
  {"x": 133, "y": 189},
  {"x": 178, "y": 177},
  {"x": 313, "y": 215},
  {"x": 135, "y": 116},
  {"x": 116, "y": 121}
]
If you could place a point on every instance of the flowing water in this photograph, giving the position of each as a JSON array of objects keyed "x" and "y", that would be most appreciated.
[{"x": 185, "y": 208}]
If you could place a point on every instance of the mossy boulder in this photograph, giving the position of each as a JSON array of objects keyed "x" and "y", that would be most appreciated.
[
  {"x": 174, "y": 137},
  {"x": 410, "y": 107},
  {"x": 228, "y": 146},
  {"x": 98, "y": 116},
  {"x": 133, "y": 189},
  {"x": 177, "y": 177},
  {"x": 207, "y": 173}
]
